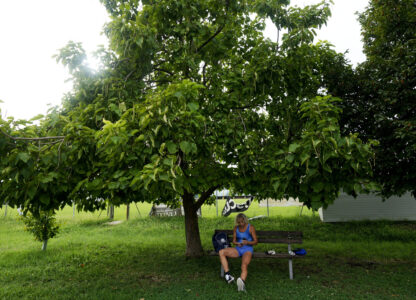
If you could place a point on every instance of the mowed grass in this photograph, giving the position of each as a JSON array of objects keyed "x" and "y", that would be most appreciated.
[{"x": 143, "y": 258}]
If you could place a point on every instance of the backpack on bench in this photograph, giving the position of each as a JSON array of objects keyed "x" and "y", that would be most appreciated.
[{"x": 220, "y": 241}]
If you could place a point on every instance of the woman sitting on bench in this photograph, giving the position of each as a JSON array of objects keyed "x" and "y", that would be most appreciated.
[{"x": 244, "y": 237}]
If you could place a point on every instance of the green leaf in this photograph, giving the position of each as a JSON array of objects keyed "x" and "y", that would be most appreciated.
[
  {"x": 156, "y": 130},
  {"x": 164, "y": 177},
  {"x": 135, "y": 180},
  {"x": 290, "y": 158},
  {"x": 168, "y": 162},
  {"x": 139, "y": 41},
  {"x": 37, "y": 117},
  {"x": 23, "y": 156},
  {"x": 49, "y": 177},
  {"x": 114, "y": 185},
  {"x": 357, "y": 188},
  {"x": 44, "y": 198},
  {"x": 312, "y": 172},
  {"x": 122, "y": 107},
  {"x": 293, "y": 147},
  {"x": 316, "y": 142},
  {"x": 276, "y": 185},
  {"x": 178, "y": 94},
  {"x": 185, "y": 147},
  {"x": 317, "y": 186},
  {"x": 31, "y": 192},
  {"x": 194, "y": 148},
  {"x": 162, "y": 148},
  {"x": 140, "y": 138},
  {"x": 193, "y": 106},
  {"x": 172, "y": 147},
  {"x": 334, "y": 142},
  {"x": 304, "y": 157}
]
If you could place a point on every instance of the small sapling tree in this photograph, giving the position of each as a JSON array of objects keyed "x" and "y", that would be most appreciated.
[{"x": 43, "y": 226}]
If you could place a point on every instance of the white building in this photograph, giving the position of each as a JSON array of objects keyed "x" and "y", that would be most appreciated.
[{"x": 370, "y": 207}]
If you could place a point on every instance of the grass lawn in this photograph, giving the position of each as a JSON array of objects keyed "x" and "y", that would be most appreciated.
[{"x": 143, "y": 258}]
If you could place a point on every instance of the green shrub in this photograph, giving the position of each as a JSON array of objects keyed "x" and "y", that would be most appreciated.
[{"x": 43, "y": 227}]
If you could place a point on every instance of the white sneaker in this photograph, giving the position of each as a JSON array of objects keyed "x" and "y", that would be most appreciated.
[
  {"x": 229, "y": 278},
  {"x": 240, "y": 285}
]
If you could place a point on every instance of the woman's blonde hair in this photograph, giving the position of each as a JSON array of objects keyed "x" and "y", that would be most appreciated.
[{"x": 241, "y": 216}]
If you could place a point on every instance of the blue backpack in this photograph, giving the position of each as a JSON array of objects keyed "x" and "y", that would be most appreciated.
[{"x": 220, "y": 241}]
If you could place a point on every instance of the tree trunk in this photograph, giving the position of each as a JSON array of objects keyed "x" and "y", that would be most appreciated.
[
  {"x": 128, "y": 212},
  {"x": 193, "y": 239},
  {"x": 45, "y": 243},
  {"x": 111, "y": 217}
]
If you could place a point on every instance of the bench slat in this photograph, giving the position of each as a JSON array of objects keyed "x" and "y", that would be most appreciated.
[
  {"x": 264, "y": 255},
  {"x": 266, "y": 232},
  {"x": 271, "y": 237},
  {"x": 278, "y": 241}
]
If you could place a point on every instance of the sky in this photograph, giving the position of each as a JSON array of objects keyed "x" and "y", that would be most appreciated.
[{"x": 31, "y": 32}]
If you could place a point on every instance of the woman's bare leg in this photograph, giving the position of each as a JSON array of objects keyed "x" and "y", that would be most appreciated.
[
  {"x": 227, "y": 252},
  {"x": 244, "y": 264}
]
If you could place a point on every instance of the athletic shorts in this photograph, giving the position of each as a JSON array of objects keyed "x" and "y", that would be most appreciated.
[{"x": 243, "y": 249}]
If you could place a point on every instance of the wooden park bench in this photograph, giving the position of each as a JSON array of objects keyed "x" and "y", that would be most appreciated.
[{"x": 271, "y": 237}]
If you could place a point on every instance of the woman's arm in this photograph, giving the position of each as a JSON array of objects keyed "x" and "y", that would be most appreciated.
[
  {"x": 254, "y": 235},
  {"x": 235, "y": 236}
]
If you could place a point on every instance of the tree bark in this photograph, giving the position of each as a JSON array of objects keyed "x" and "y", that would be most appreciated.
[
  {"x": 111, "y": 217},
  {"x": 45, "y": 243},
  {"x": 193, "y": 239},
  {"x": 190, "y": 207}
]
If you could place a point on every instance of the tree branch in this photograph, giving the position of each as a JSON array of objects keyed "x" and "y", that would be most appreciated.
[
  {"x": 242, "y": 121},
  {"x": 218, "y": 30},
  {"x": 205, "y": 196},
  {"x": 128, "y": 75},
  {"x": 243, "y": 107},
  {"x": 116, "y": 63},
  {"x": 204, "y": 80},
  {"x": 163, "y": 70},
  {"x": 32, "y": 139},
  {"x": 59, "y": 154},
  {"x": 211, "y": 38}
]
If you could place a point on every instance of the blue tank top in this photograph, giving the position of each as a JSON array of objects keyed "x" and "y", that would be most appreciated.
[{"x": 244, "y": 235}]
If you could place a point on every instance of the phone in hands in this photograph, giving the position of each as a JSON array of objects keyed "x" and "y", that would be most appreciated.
[{"x": 239, "y": 244}]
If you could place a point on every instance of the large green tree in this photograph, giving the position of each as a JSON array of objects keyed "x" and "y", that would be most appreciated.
[
  {"x": 221, "y": 106},
  {"x": 192, "y": 98},
  {"x": 379, "y": 99}
]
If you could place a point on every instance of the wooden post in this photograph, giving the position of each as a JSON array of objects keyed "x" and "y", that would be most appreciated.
[
  {"x": 5, "y": 212},
  {"x": 128, "y": 211},
  {"x": 289, "y": 248},
  {"x": 267, "y": 206}
]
